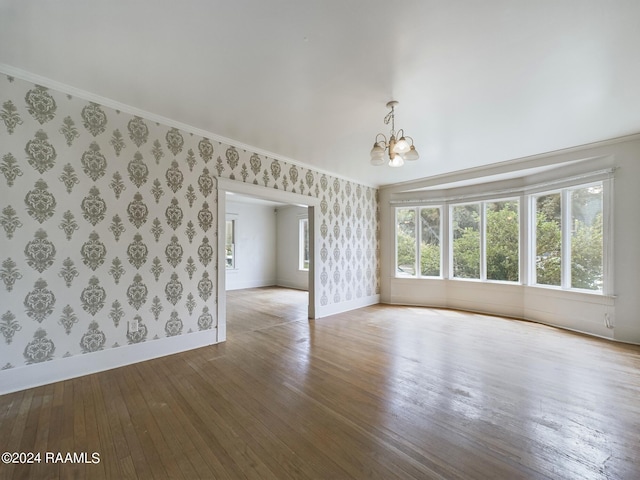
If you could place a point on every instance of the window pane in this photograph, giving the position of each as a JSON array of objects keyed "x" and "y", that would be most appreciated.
[
  {"x": 586, "y": 238},
  {"x": 548, "y": 239},
  {"x": 229, "y": 243},
  {"x": 466, "y": 241},
  {"x": 406, "y": 241},
  {"x": 503, "y": 238},
  {"x": 304, "y": 244},
  {"x": 430, "y": 242}
]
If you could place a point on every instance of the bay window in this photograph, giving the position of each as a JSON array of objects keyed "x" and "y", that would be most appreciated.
[{"x": 563, "y": 242}]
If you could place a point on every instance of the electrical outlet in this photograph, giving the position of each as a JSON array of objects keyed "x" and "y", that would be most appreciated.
[
  {"x": 607, "y": 321},
  {"x": 133, "y": 325}
]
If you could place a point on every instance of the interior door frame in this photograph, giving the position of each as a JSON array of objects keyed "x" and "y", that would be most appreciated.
[{"x": 231, "y": 186}]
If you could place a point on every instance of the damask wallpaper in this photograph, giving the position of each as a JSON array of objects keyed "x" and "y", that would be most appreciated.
[{"x": 108, "y": 218}]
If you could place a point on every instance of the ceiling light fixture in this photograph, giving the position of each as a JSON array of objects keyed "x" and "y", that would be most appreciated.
[{"x": 398, "y": 149}]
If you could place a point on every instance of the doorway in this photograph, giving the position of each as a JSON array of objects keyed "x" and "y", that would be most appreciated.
[{"x": 285, "y": 308}]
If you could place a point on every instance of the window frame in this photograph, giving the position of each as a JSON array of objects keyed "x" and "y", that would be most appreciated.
[
  {"x": 482, "y": 229},
  {"x": 450, "y": 240},
  {"x": 418, "y": 240},
  {"x": 566, "y": 237}
]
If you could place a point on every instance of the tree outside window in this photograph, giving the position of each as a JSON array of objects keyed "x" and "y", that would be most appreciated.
[
  {"x": 484, "y": 239},
  {"x": 549, "y": 239},
  {"x": 495, "y": 224},
  {"x": 583, "y": 254},
  {"x": 430, "y": 241},
  {"x": 465, "y": 237},
  {"x": 586, "y": 238},
  {"x": 418, "y": 237},
  {"x": 406, "y": 242},
  {"x": 503, "y": 240}
]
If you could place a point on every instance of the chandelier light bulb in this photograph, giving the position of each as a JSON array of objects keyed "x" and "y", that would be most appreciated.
[
  {"x": 402, "y": 146},
  {"x": 396, "y": 161},
  {"x": 377, "y": 155},
  {"x": 412, "y": 154}
]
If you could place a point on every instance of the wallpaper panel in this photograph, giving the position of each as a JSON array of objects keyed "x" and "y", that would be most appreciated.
[{"x": 108, "y": 218}]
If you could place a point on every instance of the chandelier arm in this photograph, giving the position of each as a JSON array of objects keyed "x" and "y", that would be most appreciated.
[{"x": 384, "y": 142}]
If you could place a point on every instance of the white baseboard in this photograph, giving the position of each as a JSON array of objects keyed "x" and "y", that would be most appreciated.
[
  {"x": 231, "y": 285},
  {"x": 38, "y": 374},
  {"x": 347, "y": 306},
  {"x": 293, "y": 284}
]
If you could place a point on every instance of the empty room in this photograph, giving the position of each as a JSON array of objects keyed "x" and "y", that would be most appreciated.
[{"x": 319, "y": 240}]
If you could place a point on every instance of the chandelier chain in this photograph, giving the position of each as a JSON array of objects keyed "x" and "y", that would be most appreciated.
[{"x": 390, "y": 117}]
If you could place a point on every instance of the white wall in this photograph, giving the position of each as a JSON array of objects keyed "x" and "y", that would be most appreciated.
[
  {"x": 572, "y": 310},
  {"x": 255, "y": 246},
  {"x": 288, "y": 273}
]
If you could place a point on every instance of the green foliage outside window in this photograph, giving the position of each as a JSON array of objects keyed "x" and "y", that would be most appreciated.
[
  {"x": 586, "y": 238},
  {"x": 502, "y": 243},
  {"x": 503, "y": 240},
  {"x": 406, "y": 231},
  {"x": 549, "y": 240},
  {"x": 406, "y": 241},
  {"x": 466, "y": 241},
  {"x": 430, "y": 242}
]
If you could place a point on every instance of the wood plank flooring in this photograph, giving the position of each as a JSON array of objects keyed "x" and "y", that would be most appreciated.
[
  {"x": 266, "y": 307},
  {"x": 381, "y": 392}
]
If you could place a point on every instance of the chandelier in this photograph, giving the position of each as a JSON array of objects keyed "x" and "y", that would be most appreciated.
[{"x": 397, "y": 148}]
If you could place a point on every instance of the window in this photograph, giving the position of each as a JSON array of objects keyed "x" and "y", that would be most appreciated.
[
  {"x": 569, "y": 238},
  {"x": 418, "y": 237},
  {"x": 230, "y": 244},
  {"x": 303, "y": 244},
  {"x": 406, "y": 242},
  {"x": 485, "y": 238},
  {"x": 430, "y": 242},
  {"x": 564, "y": 237},
  {"x": 548, "y": 239},
  {"x": 465, "y": 237},
  {"x": 502, "y": 220}
]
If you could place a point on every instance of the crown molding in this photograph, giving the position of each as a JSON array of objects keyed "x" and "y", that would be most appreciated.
[
  {"x": 115, "y": 105},
  {"x": 571, "y": 154}
]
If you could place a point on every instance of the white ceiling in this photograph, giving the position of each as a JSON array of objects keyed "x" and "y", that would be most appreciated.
[{"x": 478, "y": 82}]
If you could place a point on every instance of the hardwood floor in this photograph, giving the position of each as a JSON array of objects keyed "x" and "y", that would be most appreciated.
[
  {"x": 381, "y": 392},
  {"x": 266, "y": 307}
]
